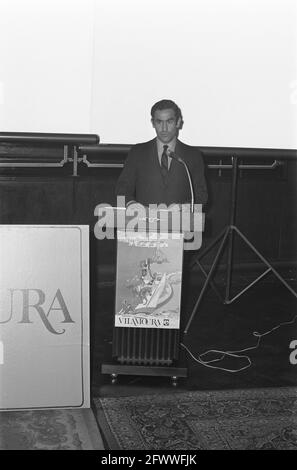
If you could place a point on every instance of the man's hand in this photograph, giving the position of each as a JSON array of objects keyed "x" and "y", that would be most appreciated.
[
  {"x": 135, "y": 209},
  {"x": 134, "y": 206}
]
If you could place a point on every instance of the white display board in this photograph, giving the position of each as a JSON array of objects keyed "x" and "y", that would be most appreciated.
[{"x": 44, "y": 316}]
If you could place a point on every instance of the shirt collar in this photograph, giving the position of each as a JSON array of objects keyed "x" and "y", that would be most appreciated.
[{"x": 171, "y": 145}]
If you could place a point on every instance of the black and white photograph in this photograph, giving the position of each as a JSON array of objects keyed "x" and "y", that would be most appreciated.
[{"x": 148, "y": 229}]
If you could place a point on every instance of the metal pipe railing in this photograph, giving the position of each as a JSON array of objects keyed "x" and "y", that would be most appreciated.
[
  {"x": 48, "y": 138},
  {"x": 70, "y": 143},
  {"x": 208, "y": 152},
  {"x": 79, "y": 148}
]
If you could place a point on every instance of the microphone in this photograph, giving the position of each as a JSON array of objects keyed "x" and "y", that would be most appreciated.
[{"x": 180, "y": 160}]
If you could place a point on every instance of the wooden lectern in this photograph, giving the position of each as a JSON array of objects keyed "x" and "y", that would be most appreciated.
[{"x": 150, "y": 247}]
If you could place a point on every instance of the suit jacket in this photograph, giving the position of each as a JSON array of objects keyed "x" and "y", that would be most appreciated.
[{"x": 141, "y": 179}]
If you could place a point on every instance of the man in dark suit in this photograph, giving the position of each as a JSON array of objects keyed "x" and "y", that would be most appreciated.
[{"x": 151, "y": 176}]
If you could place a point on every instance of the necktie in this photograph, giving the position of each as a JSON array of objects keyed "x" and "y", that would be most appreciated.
[{"x": 164, "y": 161}]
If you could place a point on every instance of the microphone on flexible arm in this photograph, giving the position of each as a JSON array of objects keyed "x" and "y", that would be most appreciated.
[{"x": 180, "y": 160}]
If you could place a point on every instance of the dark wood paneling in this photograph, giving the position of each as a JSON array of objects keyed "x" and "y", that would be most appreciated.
[{"x": 36, "y": 201}]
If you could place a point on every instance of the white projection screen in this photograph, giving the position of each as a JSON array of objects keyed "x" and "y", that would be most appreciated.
[{"x": 229, "y": 64}]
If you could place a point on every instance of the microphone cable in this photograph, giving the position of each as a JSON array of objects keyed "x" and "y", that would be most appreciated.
[{"x": 234, "y": 354}]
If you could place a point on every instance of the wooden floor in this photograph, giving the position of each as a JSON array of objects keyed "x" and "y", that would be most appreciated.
[{"x": 215, "y": 326}]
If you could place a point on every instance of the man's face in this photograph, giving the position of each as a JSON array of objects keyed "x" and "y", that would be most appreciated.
[{"x": 165, "y": 124}]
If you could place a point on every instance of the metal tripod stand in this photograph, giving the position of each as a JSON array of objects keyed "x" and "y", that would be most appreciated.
[{"x": 226, "y": 237}]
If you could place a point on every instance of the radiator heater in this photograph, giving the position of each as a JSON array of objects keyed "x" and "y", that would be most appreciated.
[
  {"x": 145, "y": 351},
  {"x": 145, "y": 346}
]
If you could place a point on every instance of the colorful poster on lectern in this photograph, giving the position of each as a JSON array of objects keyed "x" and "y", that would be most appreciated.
[
  {"x": 149, "y": 276},
  {"x": 44, "y": 317}
]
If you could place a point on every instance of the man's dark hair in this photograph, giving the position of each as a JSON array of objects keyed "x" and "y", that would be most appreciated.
[{"x": 166, "y": 104}]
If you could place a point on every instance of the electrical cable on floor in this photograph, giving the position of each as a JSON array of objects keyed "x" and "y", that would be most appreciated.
[{"x": 234, "y": 354}]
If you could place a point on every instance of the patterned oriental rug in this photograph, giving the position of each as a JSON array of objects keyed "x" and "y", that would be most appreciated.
[
  {"x": 49, "y": 430},
  {"x": 223, "y": 420}
]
